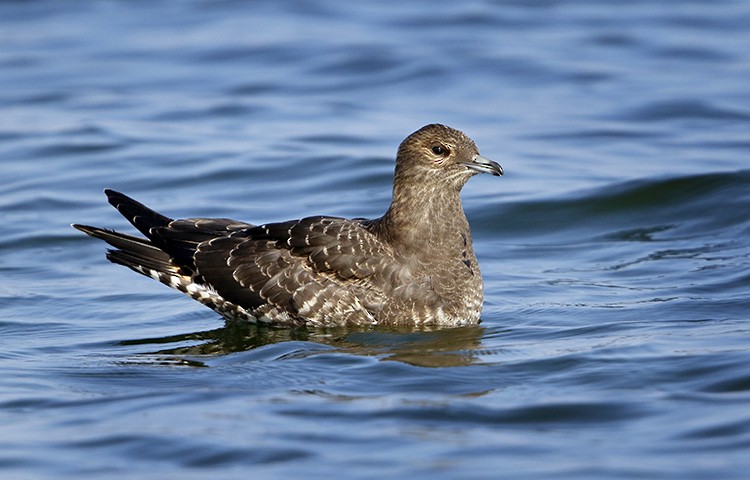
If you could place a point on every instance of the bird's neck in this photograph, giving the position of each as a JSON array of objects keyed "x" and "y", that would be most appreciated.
[
  {"x": 427, "y": 227},
  {"x": 424, "y": 220}
]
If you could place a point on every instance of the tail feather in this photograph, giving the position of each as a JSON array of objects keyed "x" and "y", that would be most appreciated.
[
  {"x": 142, "y": 217},
  {"x": 141, "y": 264},
  {"x": 178, "y": 238},
  {"x": 165, "y": 249},
  {"x": 132, "y": 252},
  {"x": 166, "y": 253}
]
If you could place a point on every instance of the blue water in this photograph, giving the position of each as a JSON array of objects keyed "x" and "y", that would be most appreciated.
[{"x": 615, "y": 340}]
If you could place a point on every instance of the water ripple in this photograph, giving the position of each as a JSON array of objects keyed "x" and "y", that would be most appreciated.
[
  {"x": 614, "y": 252},
  {"x": 686, "y": 109}
]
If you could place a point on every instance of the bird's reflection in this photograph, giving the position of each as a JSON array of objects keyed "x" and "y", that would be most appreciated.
[{"x": 422, "y": 346}]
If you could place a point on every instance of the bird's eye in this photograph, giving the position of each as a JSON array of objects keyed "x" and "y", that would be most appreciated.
[{"x": 439, "y": 150}]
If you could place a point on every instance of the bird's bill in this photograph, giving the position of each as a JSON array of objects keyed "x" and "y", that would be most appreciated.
[{"x": 485, "y": 165}]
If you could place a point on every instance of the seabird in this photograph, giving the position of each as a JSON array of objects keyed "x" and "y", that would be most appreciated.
[{"x": 415, "y": 265}]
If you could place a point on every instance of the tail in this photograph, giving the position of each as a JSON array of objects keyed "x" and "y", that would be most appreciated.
[
  {"x": 167, "y": 241},
  {"x": 139, "y": 215},
  {"x": 144, "y": 255},
  {"x": 133, "y": 252}
]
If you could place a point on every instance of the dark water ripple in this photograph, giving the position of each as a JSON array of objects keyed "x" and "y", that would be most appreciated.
[{"x": 615, "y": 250}]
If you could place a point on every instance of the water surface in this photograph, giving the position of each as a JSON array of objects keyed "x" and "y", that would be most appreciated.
[{"x": 616, "y": 250}]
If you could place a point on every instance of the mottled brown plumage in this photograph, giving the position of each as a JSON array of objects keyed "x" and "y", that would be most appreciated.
[{"x": 413, "y": 265}]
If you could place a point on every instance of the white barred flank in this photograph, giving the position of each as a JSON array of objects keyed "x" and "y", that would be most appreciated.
[{"x": 202, "y": 293}]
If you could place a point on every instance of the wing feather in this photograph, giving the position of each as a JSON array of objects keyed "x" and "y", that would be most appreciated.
[{"x": 317, "y": 270}]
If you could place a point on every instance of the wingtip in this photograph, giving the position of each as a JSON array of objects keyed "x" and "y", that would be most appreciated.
[
  {"x": 115, "y": 198},
  {"x": 109, "y": 192},
  {"x": 87, "y": 229}
]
